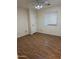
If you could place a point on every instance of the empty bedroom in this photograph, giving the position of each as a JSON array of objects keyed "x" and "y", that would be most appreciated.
[{"x": 39, "y": 29}]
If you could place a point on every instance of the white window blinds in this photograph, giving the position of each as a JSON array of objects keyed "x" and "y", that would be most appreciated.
[{"x": 50, "y": 19}]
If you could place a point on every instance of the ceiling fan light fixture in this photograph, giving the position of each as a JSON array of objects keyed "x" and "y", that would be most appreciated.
[{"x": 39, "y": 6}]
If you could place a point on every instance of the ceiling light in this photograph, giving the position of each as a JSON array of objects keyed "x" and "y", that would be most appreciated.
[{"x": 38, "y": 4}]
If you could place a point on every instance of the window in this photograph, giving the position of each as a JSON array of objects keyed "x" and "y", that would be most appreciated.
[{"x": 50, "y": 19}]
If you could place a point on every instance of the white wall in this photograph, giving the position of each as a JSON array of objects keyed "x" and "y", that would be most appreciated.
[
  {"x": 54, "y": 30},
  {"x": 29, "y": 21},
  {"x": 32, "y": 21},
  {"x": 22, "y": 22}
]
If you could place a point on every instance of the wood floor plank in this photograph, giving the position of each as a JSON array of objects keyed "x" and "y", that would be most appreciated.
[{"x": 39, "y": 46}]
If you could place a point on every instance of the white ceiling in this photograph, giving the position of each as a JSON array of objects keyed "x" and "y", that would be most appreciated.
[{"x": 28, "y": 3}]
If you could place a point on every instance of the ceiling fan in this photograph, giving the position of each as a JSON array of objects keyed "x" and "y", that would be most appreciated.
[{"x": 38, "y": 4}]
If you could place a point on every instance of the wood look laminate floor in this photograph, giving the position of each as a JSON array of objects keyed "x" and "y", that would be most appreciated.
[{"x": 39, "y": 46}]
